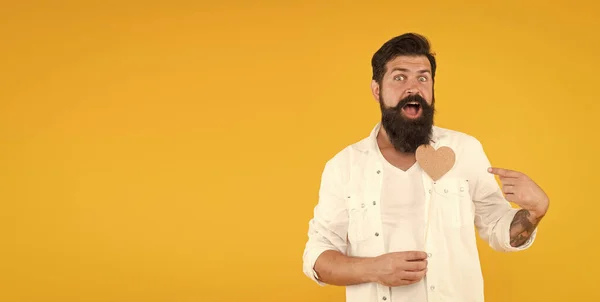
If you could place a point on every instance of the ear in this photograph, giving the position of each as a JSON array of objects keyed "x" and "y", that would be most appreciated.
[{"x": 375, "y": 90}]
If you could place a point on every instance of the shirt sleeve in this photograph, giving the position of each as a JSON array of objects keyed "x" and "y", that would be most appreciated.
[
  {"x": 328, "y": 228},
  {"x": 493, "y": 213}
]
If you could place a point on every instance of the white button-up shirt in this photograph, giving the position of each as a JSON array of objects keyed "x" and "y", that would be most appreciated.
[{"x": 348, "y": 219}]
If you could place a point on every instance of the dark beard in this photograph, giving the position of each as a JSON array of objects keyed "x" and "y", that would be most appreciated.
[{"x": 406, "y": 135}]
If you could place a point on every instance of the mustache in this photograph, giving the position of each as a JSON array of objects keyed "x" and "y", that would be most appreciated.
[{"x": 410, "y": 99}]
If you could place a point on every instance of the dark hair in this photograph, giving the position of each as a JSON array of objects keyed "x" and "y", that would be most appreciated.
[{"x": 409, "y": 44}]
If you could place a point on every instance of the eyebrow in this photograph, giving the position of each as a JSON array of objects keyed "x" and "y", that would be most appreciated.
[{"x": 407, "y": 70}]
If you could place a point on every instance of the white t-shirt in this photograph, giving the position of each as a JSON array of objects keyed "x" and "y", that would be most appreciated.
[{"x": 403, "y": 222}]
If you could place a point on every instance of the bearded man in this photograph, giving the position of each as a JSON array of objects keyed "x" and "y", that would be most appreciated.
[{"x": 391, "y": 225}]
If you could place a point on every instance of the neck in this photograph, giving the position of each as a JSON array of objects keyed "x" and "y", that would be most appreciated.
[
  {"x": 401, "y": 160},
  {"x": 383, "y": 141}
]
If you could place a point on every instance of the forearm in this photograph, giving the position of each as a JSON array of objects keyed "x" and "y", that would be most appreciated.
[
  {"x": 335, "y": 268},
  {"x": 522, "y": 226}
]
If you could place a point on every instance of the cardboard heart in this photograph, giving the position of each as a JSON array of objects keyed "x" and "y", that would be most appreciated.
[{"x": 435, "y": 163}]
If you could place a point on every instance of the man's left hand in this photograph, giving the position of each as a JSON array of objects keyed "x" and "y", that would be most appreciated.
[{"x": 523, "y": 191}]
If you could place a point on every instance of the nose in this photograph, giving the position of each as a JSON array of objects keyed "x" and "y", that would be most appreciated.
[{"x": 411, "y": 88}]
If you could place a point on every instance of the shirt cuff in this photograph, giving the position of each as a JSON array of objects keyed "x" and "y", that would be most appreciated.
[{"x": 309, "y": 264}]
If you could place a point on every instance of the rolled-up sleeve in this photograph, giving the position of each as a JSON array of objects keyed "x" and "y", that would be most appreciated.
[
  {"x": 328, "y": 228},
  {"x": 493, "y": 213}
]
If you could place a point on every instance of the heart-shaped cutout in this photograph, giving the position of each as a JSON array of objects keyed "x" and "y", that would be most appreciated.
[{"x": 434, "y": 162}]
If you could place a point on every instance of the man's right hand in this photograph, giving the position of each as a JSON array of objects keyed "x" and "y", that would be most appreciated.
[
  {"x": 400, "y": 268},
  {"x": 393, "y": 269}
]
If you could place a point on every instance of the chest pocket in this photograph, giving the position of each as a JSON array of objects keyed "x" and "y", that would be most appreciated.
[
  {"x": 361, "y": 223},
  {"x": 453, "y": 201}
]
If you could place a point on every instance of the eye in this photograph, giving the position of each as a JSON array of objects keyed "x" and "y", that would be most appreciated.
[
  {"x": 398, "y": 78},
  {"x": 422, "y": 79}
]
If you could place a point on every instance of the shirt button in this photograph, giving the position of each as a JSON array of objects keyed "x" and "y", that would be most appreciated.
[
  {"x": 374, "y": 202},
  {"x": 445, "y": 190},
  {"x": 429, "y": 255},
  {"x": 462, "y": 189},
  {"x": 432, "y": 287},
  {"x": 429, "y": 191},
  {"x": 362, "y": 205},
  {"x": 378, "y": 171},
  {"x": 376, "y": 234},
  {"x": 384, "y": 298}
]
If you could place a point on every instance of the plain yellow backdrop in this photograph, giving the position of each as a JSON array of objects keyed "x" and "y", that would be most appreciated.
[{"x": 173, "y": 151}]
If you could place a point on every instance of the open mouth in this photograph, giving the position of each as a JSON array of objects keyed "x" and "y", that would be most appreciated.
[{"x": 412, "y": 110}]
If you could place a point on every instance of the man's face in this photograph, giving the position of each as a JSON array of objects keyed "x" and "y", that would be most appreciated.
[{"x": 407, "y": 101}]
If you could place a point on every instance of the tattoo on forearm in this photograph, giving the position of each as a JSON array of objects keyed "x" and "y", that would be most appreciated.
[{"x": 522, "y": 227}]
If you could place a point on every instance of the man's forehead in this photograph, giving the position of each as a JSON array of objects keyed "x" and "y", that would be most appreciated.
[{"x": 409, "y": 62}]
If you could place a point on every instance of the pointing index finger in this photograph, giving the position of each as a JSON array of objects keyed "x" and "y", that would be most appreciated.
[{"x": 503, "y": 172}]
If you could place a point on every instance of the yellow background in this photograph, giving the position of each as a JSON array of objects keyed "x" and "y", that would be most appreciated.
[{"x": 173, "y": 151}]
